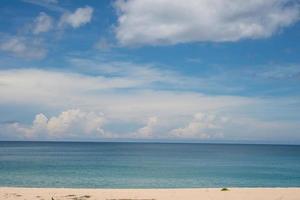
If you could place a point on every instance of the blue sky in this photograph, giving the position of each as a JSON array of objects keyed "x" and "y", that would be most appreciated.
[{"x": 150, "y": 70}]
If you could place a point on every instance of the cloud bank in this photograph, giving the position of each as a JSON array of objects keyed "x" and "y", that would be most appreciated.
[
  {"x": 87, "y": 106},
  {"x": 156, "y": 22},
  {"x": 72, "y": 123}
]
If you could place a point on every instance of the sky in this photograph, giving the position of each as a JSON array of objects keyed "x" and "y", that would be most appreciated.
[{"x": 150, "y": 70}]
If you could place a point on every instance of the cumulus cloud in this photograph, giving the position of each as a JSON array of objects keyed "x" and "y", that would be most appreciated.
[
  {"x": 23, "y": 47},
  {"x": 43, "y": 23},
  {"x": 79, "y": 17},
  {"x": 158, "y": 22},
  {"x": 203, "y": 126},
  {"x": 68, "y": 124},
  {"x": 124, "y": 100},
  {"x": 78, "y": 124},
  {"x": 148, "y": 130}
]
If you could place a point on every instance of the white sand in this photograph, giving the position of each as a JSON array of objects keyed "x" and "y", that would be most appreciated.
[{"x": 147, "y": 194}]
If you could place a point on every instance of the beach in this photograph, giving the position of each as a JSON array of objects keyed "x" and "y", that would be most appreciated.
[{"x": 14, "y": 193}]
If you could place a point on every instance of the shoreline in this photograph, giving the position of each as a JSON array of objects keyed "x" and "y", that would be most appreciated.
[
  {"x": 179, "y": 188},
  {"x": 237, "y": 193}
]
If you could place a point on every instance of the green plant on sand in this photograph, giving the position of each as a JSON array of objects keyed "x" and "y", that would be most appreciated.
[{"x": 224, "y": 189}]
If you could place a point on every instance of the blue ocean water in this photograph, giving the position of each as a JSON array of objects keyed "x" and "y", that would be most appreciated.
[{"x": 147, "y": 165}]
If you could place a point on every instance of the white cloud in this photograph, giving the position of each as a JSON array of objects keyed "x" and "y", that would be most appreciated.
[
  {"x": 80, "y": 17},
  {"x": 203, "y": 126},
  {"x": 148, "y": 130},
  {"x": 23, "y": 47},
  {"x": 157, "y": 22},
  {"x": 124, "y": 100},
  {"x": 43, "y": 23},
  {"x": 40, "y": 83},
  {"x": 150, "y": 76},
  {"x": 123, "y": 96},
  {"x": 32, "y": 47},
  {"x": 76, "y": 124},
  {"x": 72, "y": 123},
  {"x": 104, "y": 94}
]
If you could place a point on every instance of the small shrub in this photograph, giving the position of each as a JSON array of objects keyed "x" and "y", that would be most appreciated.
[{"x": 224, "y": 189}]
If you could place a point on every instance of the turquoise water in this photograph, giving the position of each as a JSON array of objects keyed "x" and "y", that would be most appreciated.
[{"x": 147, "y": 165}]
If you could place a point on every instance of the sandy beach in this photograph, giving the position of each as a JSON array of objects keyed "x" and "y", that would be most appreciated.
[{"x": 150, "y": 194}]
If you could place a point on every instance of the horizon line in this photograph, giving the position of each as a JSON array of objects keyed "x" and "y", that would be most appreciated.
[{"x": 160, "y": 142}]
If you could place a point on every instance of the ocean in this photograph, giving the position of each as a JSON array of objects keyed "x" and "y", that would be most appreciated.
[{"x": 147, "y": 165}]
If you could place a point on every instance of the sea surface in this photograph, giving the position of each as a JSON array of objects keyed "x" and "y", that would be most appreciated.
[{"x": 147, "y": 165}]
